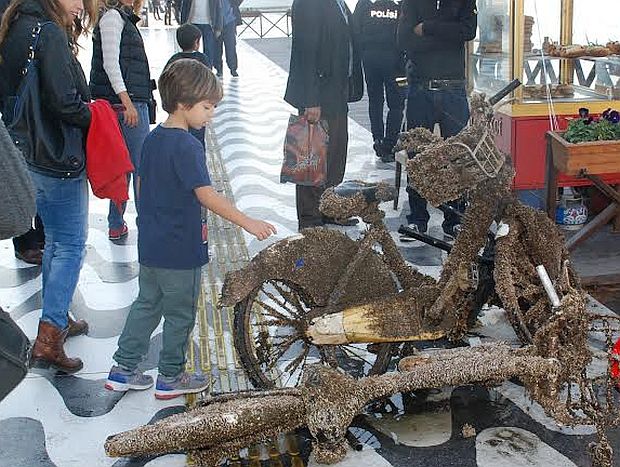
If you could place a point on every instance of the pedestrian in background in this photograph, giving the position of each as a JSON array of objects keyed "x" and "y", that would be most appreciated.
[
  {"x": 374, "y": 27},
  {"x": 207, "y": 16},
  {"x": 231, "y": 18},
  {"x": 120, "y": 74},
  {"x": 59, "y": 179},
  {"x": 325, "y": 74},
  {"x": 188, "y": 38},
  {"x": 156, "y": 4},
  {"x": 434, "y": 33}
]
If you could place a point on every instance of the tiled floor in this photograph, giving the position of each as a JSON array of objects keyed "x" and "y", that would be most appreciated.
[{"x": 63, "y": 421}]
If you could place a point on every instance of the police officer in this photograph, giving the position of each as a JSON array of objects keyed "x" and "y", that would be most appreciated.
[
  {"x": 374, "y": 29},
  {"x": 434, "y": 33}
]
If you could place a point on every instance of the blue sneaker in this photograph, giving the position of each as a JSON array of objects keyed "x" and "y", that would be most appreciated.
[
  {"x": 175, "y": 386},
  {"x": 122, "y": 380}
]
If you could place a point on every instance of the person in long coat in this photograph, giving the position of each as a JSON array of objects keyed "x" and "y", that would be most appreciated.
[{"x": 325, "y": 74}]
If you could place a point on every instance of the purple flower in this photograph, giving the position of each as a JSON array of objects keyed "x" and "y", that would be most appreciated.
[
  {"x": 584, "y": 112},
  {"x": 588, "y": 120},
  {"x": 605, "y": 114},
  {"x": 614, "y": 116}
]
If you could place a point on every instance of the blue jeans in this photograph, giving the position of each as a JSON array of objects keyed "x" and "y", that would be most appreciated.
[
  {"x": 450, "y": 109},
  {"x": 134, "y": 137},
  {"x": 380, "y": 74},
  {"x": 62, "y": 204},
  {"x": 227, "y": 40},
  {"x": 208, "y": 42}
]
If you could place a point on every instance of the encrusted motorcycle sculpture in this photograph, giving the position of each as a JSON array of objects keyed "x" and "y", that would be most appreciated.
[{"x": 319, "y": 301}]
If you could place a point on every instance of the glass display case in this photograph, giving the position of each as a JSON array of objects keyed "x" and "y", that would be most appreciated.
[
  {"x": 567, "y": 55},
  {"x": 563, "y": 51}
]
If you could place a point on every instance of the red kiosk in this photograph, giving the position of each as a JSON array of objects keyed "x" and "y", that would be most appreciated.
[{"x": 522, "y": 39}]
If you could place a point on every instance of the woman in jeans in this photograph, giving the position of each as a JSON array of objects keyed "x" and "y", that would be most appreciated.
[
  {"x": 120, "y": 74},
  {"x": 60, "y": 180}
]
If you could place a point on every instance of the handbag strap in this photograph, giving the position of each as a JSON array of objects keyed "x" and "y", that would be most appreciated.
[
  {"x": 310, "y": 134},
  {"x": 34, "y": 46}
]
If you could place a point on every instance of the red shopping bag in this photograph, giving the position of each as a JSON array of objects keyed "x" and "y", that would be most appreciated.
[{"x": 305, "y": 152}]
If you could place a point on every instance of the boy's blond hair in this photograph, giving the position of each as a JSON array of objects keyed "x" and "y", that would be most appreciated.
[{"x": 186, "y": 82}]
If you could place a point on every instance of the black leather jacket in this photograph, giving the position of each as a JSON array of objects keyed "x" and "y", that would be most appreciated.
[
  {"x": 63, "y": 86},
  {"x": 319, "y": 69},
  {"x": 440, "y": 52}
]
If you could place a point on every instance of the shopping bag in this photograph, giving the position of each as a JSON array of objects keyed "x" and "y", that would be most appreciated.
[{"x": 305, "y": 152}]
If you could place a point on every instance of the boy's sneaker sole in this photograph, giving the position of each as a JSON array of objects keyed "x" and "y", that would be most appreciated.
[
  {"x": 167, "y": 395},
  {"x": 124, "y": 387}
]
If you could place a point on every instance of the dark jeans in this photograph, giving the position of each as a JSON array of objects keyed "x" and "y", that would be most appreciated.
[
  {"x": 208, "y": 42},
  {"x": 307, "y": 197},
  {"x": 34, "y": 239},
  {"x": 381, "y": 85},
  {"x": 450, "y": 109},
  {"x": 227, "y": 40}
]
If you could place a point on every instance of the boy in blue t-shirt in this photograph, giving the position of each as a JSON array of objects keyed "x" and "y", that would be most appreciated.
[{"x": 174, "y": 184}]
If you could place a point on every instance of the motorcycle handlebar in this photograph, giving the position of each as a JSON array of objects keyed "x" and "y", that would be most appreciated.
[{"x": 504, "y": 92}]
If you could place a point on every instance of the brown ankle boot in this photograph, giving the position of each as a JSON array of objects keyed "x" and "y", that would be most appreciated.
[
  {"x": 48, "y": 350},
  {"x": 77, "y": 328}
]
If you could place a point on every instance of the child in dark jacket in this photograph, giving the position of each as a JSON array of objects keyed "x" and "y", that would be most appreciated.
[{"x": 188, "y": 38}]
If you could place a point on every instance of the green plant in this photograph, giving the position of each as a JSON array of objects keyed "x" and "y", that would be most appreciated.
[{"x": 587, "y": 128}]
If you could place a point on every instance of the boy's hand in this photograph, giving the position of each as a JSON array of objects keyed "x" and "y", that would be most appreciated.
[{"x": 260, "y": 229}]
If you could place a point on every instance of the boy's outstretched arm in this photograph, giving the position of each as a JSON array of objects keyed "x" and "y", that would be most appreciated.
[{"x": 215, "y": 202}]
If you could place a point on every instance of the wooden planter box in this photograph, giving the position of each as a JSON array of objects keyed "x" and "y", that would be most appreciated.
[{"x": 596, "y": 157}]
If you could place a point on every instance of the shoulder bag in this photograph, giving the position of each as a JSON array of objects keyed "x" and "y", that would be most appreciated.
[{"x": 34, "y": 133}]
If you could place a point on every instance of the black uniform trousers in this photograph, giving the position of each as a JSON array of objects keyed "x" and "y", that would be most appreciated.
[{"x": 380, "y": 70}]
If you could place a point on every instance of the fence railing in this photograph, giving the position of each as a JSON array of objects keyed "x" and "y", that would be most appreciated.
[{"x": 263, "y": 22}]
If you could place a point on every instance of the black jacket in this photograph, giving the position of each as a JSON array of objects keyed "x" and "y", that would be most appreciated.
[
  {"x": 440, "y": 52},
  {"x": 199, "y": 56},
  {"x": 133, "y": 61},
  {"x": 63, "y": 85},
  {"x": 215, "y": 11},
  {"x": 374, "y": 25},
  {"x": 237, "y": 12},
  {"x": 319, "y": 68}
]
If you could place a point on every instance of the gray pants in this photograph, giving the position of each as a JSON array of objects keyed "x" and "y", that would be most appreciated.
[{"x": 173, "y": 294}]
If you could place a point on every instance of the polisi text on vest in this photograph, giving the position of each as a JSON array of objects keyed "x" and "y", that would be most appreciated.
[{"x": 387, "y": 14}]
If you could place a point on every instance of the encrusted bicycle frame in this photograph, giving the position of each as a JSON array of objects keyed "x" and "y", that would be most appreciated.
[{"x": 341, "y": 292}]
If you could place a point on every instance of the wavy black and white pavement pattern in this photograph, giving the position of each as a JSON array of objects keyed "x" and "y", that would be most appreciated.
[{"x": 63, "y": 421}]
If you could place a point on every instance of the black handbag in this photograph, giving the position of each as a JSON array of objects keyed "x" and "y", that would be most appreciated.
[
  {"x": 14, "y": 354},
  {"x": 35, "y": 133}
]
